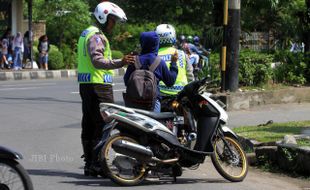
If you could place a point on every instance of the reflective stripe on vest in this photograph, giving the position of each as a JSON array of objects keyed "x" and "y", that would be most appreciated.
[
  {"x": 87, "y": 73},
  {"x": 166, "y": 53}
]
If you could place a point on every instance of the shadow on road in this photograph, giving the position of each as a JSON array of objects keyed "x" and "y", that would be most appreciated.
[{"x": 82, "y": 180}]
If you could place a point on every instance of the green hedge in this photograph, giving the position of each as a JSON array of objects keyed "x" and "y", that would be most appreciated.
[
  {"x": 213, "y": 71},
  {"x": 254, "y": 68},
  {"x": 55, "y": 58},
  {"x": 69, "y": 57},
  {"x": 292, "y": 68},
  {"x": 117, "y": 54}
]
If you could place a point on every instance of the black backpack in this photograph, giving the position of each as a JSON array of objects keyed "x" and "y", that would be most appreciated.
[{"x": 141, "y": 91}]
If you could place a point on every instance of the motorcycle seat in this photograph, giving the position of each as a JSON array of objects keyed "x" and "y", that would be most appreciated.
[{"x": 155, "y": 115}]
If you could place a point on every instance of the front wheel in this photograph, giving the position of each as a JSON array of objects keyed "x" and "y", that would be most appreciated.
[
  {"x": 13, "y": 176},
  {"x": 121, "y": 169},
  {"x": 229, "y": 159}
]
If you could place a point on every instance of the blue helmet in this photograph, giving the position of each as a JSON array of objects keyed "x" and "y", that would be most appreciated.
[{"x": 196, "y": 39}]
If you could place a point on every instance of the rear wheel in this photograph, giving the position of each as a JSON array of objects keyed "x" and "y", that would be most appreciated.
[
  {"x": 122, "y": 169},
  {"x": 229, "y": 159}
]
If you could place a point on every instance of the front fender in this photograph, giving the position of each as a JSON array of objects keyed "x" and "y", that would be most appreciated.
[
  {"x": 227, "y": 131},
  {"x": 9, "y": 154},
  {"x": 105, "y": 135}
]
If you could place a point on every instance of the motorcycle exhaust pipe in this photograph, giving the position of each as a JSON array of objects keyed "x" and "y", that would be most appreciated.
[
  {"x": 133, "y": 150},
  {"x": 138, "y": 151}
]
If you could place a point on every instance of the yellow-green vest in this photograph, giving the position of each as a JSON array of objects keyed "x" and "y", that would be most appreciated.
[
  {"x": 87, "y": 73},
  {"x": 165, "y": 53}
]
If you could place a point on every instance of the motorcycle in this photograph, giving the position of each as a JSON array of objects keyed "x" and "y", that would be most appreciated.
[
  {"x": 12, "y": 173},
  {"x": 137, "y": 143}
]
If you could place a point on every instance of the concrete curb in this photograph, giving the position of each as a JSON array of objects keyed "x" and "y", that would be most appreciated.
[
  {"x": 250, "y": 99},
  {"x": 289, "y": 157},
  {"x": 40, "y": 74}
]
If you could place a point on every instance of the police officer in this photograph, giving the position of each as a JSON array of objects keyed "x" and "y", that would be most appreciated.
[
  {"x": 95, "y": 73},
  {"x": 167, "y": 35}
]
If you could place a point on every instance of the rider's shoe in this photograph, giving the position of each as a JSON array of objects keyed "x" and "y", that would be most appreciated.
[
  {"x": 95, "y": 170},
  {"x": 87, "y": 170}
]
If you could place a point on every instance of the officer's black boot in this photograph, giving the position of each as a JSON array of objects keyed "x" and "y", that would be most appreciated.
[
  {"x": 87, "y": 149},
  {"x": 95, "y": 167}
]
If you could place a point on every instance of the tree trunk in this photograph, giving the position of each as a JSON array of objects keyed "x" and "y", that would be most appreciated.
[{"x": 306, "y": 33}]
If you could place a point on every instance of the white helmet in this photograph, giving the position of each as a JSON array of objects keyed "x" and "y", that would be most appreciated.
[
  {"x": 105, "y": 8},
  {"x": 166, "y": 33}
]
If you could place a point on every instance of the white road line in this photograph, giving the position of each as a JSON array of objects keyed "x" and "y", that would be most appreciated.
[
  {"x": 119, "y": 83},
  {"x": 28, "y": 88},
  {"x": 30, "y": 84},
  {"x": 119, "y": 90}
]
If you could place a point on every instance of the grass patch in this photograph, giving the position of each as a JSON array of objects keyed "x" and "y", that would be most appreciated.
[
  {"x": 303, "y": 142},
  {"x": 273, "y": 132}
]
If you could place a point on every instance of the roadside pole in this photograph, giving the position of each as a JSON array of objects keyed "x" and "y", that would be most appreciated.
[
  {"x": 30, "y": 31},
  {"x": 224, "y": 47},
  {"x": 233, "y": 38}
]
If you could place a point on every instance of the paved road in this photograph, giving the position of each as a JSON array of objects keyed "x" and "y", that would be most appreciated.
[{"x": 41, "y": 119}]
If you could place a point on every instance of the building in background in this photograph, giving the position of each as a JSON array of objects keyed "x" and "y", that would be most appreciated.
[{"x": 11, "y": 16}]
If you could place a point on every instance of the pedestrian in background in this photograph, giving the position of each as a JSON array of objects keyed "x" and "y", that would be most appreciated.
[
  {"x": 6, "y": 57},
  {"x": 18, "y": 49},
  {"x": 27, "y": 46},
  {"x": 43, "y": 48}
]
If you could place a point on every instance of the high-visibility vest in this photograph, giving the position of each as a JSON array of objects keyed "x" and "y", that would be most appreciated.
[
  {"x": 87, "y": 73},
  {"x": 166, "y": 53}
]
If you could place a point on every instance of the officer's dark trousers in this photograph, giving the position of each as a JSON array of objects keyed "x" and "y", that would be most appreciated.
[{"x": 92, "y": 123}]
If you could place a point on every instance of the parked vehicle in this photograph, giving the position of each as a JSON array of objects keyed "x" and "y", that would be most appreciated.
[
  {"x": 12, "y": 174},
  {"x": 137, "y": 143}
]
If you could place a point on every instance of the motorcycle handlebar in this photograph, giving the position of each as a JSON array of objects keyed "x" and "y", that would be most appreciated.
[{"x": 193, "y": 87}]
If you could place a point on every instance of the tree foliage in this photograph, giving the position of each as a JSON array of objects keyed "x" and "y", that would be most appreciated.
[
  {"x": 65, "y": 19},
  {"x": 287, "y": 19}
]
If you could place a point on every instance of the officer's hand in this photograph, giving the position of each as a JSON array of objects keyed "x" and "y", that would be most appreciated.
[
  {"x": 174, "y": 57},
  {"x": 128, "y": 59}
]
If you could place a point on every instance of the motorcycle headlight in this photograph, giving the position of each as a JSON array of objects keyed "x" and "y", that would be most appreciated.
[{"x": 175, "y": 104}]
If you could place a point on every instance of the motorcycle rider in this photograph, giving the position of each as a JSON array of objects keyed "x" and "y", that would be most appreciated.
[
  {"x": 200, "y": 48},
  {"x": 181, "y": 41},
  {"x": 193, "y": 54},
  {"x": 149, "y": 42},
  {"x": 95, "y": 72},
  {"x": 167, "y": 35}
]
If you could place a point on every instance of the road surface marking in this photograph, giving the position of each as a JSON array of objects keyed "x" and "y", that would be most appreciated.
[
  {"x": 30, "y": 84},
  {"x": 29, "y": 88}
]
